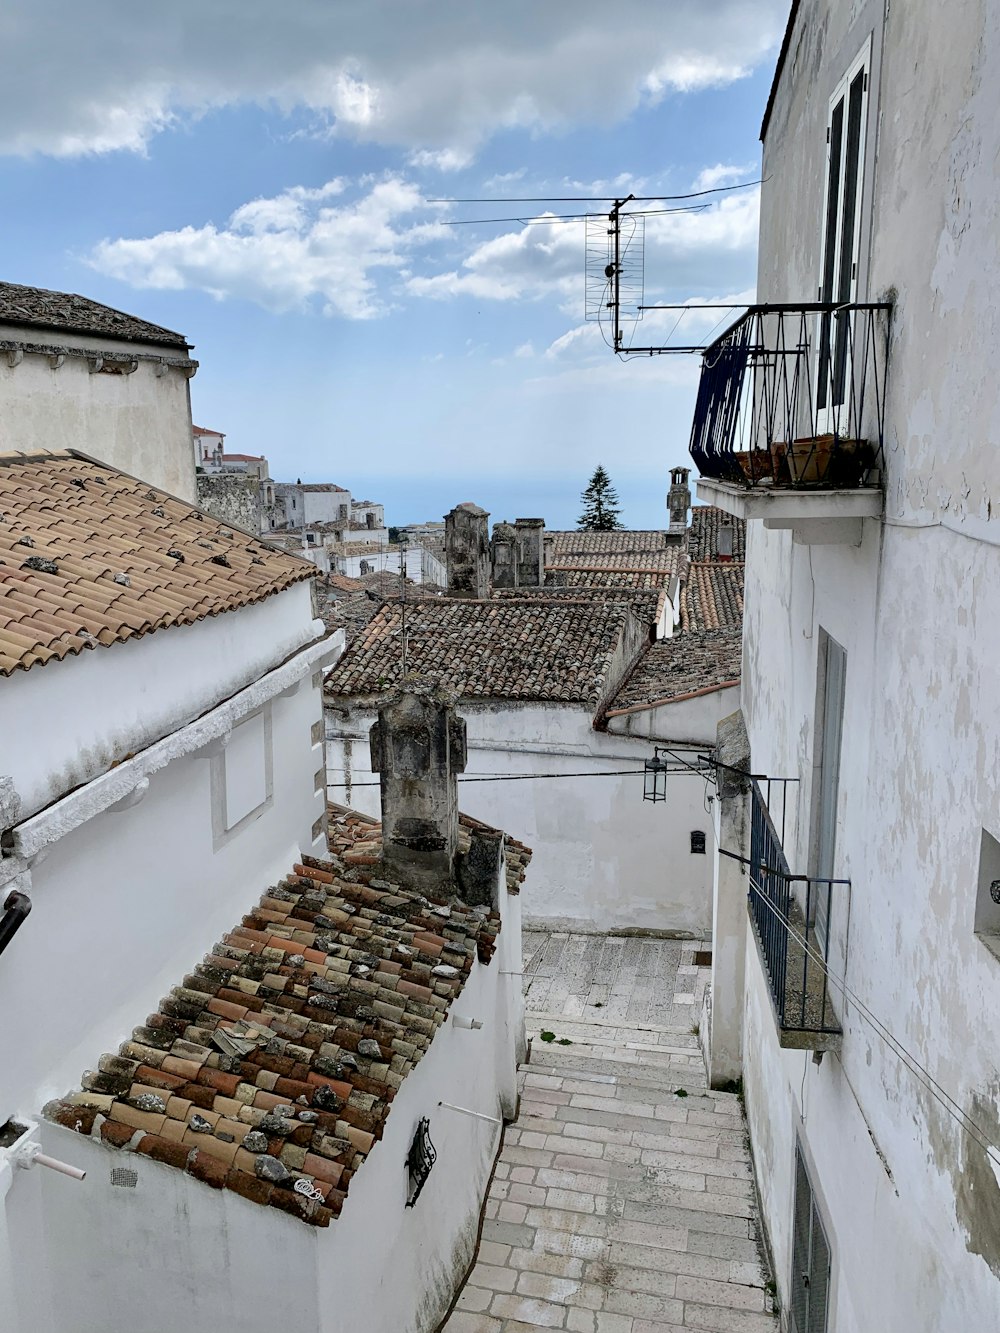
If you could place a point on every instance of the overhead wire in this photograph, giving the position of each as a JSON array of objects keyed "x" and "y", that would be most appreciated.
[
  {"x": 596, "y": 198},
  {"x": 910, "y": 1061}
]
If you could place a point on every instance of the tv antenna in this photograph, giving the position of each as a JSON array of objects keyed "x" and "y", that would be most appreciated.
[{"x": 615, "y": 269}]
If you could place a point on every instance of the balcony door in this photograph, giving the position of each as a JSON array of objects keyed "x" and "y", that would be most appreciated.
[{"x": 845, "y": 154}]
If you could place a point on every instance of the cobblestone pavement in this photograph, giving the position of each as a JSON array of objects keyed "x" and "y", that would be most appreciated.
[{"x": 622, "y": 1201}]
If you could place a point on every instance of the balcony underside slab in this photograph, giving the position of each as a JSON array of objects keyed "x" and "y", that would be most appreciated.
[{"x": 814, "y": 517}]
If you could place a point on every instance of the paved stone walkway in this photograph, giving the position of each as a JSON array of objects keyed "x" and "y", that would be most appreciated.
[{"x": 619, "y": 1205}]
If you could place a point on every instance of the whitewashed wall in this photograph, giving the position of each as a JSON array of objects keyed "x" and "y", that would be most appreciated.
[
  {"x": 604, "y": 859},
  {"x": 67, "y": 721},
  {"x": 173, "y": 1250},
  {"x": 912, "y": 1204},
  {"x": 139, "y": 423}
]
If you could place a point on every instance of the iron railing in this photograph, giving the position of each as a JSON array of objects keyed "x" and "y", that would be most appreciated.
[
  {"x": 792, "y": 918},
  {"x": 794, "y": 395}
]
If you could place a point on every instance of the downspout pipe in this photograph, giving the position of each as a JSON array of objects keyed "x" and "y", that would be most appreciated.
[{"x": 16, "y": 908}]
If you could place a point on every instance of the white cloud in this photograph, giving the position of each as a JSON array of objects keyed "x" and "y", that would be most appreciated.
[
  {"x": 441, "y": 159},
  {"x": 286, "y": 251},
  {"x": 437, "y": 78},
  {"x": 711, "y": 178},
  {"x": 542, "y": 259}
]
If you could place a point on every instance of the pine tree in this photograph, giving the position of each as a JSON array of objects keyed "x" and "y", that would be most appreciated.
[{"x": 600, "y": 504}]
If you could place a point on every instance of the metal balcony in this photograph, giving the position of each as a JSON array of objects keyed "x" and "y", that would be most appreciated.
[
  {"x": 789, "y": 422},
  {"x": 792, "y": 916}
]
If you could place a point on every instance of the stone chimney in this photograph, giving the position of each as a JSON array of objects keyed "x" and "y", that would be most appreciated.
[
  {"x": 724, "y": 540},
  {"x": 503, "y": 551},
  {"x": 418, "y": 748},
  {"x": 530, "y": 552},
  {"x": 679, "y": 501},
  {"x": 467, "y": 551}
]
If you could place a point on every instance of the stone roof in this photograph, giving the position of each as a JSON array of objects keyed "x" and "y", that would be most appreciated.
[
  {"x": 647, "y": 603},
  {"x": 620, "y": 579},
  {"x": 702, "y": 540},
  {"x": 529, "y": 650},
  {"x": 663, "y": 562},
  {"x": 271, "y": 1069},
  {"x": 677, "y": 668},
  {"x": 90, "y": 556},
  {"x": 622, "y": 540},
  {"x": 713, "y": 596},
  {"x": 65, "y": 312}
]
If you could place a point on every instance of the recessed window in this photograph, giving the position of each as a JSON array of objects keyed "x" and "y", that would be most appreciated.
[
  {"x": 697, "y": 843},
  {"x": 242, "y": 776},
  {"x": 988, "y": 894}
]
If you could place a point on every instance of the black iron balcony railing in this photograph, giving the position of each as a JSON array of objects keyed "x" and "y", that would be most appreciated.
[
  {"x": 792, "y": 917},
  {"x": 794, "y": 395}
]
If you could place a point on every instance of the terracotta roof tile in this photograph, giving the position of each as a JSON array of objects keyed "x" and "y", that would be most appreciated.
[
  {"x": 275, "y": 1063},
  {"x": 529, "y": 650},
  {"x": 703, "y": 534},
  {"x": 622, "y": 541},
  {"x": 91, "y": 556},
  {"x": 687, "y": 664},
  {"x": 713, "y": 596},
  {"x": 600, "y": 577},
  {"x": 663, "y": 562},
  {"x": 70, "y": 313},
  {"x": 647, "y": 603}
]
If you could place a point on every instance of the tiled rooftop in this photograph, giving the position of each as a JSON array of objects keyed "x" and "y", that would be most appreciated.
[
  {"x": 276, "y": 1060},
  {"x": 647, "y": 603},
  {"x": 606, "y": 578},
  {"x": 687, "y": 664},
  {"x": 528, "y": 650},
  {"x": 663, "y": 562},
  {"x": 69, "y": 313},
  {"x": 622, "y": 541},
  {"x": 713, "y": 596},
  {"x": 703, "y": 534},
  {"x": 90, "y": 556}
]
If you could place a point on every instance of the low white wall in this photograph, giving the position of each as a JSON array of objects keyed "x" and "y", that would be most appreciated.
[
  {"x": 695, "y": 718},
  {"x": 604, "y": 859},
  {"x": 127, "y": 902},
  {"x": 109, "y": 702},
  {"x": 140, "y": 423},
  {"x": 173, "y": 1251}
]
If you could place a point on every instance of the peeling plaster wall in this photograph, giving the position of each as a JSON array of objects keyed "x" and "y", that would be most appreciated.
[
  {"x": 140, "y": 423},
  {"x": 917, "y": 607},
  {"x": 604, "y": 859}
]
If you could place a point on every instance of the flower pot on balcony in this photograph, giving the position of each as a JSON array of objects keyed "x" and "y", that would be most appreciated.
[
  {"x": 809, "y": 459},
  {"x": 779, "y": 463},
  {"x": 756, "y": 465}
]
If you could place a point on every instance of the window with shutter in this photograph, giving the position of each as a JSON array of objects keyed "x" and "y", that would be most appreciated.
[{"x": 810, "y": 1282}]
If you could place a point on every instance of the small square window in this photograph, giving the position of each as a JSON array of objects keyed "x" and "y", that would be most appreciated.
[{"x": 697, "y": 843}]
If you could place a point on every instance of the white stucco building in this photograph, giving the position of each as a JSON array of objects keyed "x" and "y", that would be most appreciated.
[
  {"x": 235, "y": 1006},
  {"x": 565, "y": 691},
  {"x": 856, "y": 1006},
  {"x": 75, "y": 374}
]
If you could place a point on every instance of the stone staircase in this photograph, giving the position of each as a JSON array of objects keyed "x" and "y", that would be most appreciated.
[{"x": 623, "y": 1200}]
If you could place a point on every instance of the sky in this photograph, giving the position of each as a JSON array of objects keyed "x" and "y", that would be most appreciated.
[{"x": 264, "y": 179}]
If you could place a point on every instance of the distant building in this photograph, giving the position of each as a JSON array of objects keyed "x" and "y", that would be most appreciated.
[{"x": 75, "y": 374}]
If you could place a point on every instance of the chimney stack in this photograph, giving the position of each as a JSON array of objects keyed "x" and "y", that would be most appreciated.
[
  {"x": 724, "y": 540},
  {"x": 418, "y": 748},
  {"x": 530, "y": 533},
  {"x": 504, "y": 556},
  {"x": 467, "y": 551},
  {"x": 679, "y": 501}
]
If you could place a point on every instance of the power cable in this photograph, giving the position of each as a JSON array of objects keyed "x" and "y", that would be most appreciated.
[
  {"x": 922, "y": 1074},
  {"x": 596, "y": 198}
]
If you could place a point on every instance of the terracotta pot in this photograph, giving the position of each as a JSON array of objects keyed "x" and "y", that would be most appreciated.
[
  {"x": 756, "y": 465},
  {"x": 809, "y": 458}
]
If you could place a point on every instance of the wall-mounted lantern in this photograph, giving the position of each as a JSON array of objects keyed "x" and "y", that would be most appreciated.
[
  {"x": 419, "y": 1160},
  {"x": 655, "y": 782}
]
